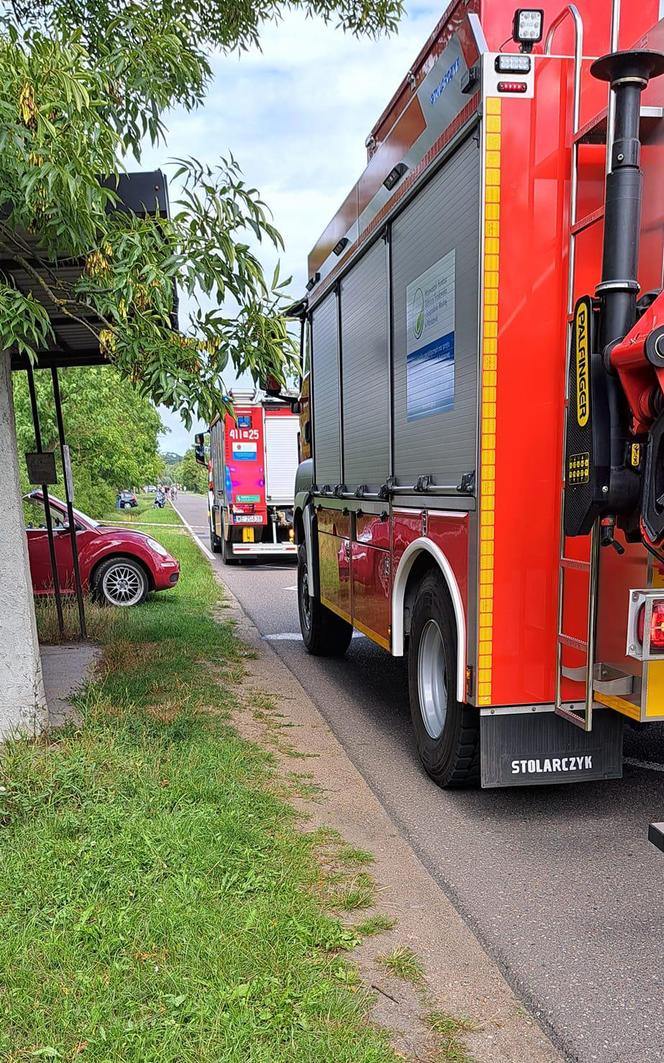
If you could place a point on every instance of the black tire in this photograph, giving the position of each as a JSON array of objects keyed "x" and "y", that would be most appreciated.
[
  {"x": 116, "y": 573},
  {"x": 215, "y": 545},
  {"x": 227, "y": 555},
  {"x": 323, "y": 632},
  {"x": 447, "y": 732}
]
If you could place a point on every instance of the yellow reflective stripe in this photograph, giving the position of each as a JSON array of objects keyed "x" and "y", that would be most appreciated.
[{"x": 487, "y": 479}]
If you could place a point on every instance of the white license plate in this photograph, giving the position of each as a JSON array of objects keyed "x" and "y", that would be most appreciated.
[{"x": 248, "y": 518}]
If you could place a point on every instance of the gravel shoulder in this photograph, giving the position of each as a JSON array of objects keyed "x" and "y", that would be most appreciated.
[{"x": 461, "y": 980}]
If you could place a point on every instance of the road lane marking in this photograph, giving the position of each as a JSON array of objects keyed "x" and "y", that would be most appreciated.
[
  {"x": 648, "y": 765},
  {"x": 208, "y": 553}
]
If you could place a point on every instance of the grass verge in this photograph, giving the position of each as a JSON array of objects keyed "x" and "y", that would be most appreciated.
[
  {"x": 144, "y": 513},
  {"x": 157, "y": 901}
]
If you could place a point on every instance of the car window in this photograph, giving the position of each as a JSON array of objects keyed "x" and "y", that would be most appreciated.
[{"x": 35, "y": 516}]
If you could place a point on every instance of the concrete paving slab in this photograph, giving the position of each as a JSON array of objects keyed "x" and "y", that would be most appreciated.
[{"x": 65, "y": 669}]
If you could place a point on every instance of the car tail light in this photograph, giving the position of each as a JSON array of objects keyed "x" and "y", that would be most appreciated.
[{"x": 656, "y": 625}]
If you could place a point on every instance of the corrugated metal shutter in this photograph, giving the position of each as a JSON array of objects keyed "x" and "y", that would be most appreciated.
[
  {"x": 327, "y": 417},
  {"x": 217, "y": 454},
  {"x": 443, "y": 218},
  {"x": 365, "y": 369},
  {"x": 281, "y": 458}
]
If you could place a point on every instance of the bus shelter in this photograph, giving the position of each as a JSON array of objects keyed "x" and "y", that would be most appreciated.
[{"x": 74, "y": 342}]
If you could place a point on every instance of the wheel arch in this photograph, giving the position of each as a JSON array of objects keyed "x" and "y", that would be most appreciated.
[
  {"x": 298, "y": 525},
  {"x": 419, "y": 557}
]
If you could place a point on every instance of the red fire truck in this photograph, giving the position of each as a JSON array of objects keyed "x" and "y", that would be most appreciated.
[
  {"x": 484, "y": 332},
  {"x": 252, "y": 462}
]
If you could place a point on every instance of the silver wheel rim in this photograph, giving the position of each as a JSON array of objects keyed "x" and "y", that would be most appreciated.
[
  {"x": 432, "y": 679},
  {"x": 123, "y": 585}
]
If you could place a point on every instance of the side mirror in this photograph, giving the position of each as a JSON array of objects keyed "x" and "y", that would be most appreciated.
[
  {"x": 199, "y": 439},
  {"x": 295, "y": 406},
  {"x": 199, "y": 454}
]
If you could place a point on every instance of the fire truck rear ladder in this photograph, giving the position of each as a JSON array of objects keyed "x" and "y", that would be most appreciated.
[{"x": 580, "y": 713}]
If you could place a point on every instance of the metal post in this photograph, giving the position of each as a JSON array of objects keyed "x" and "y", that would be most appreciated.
[
  {"x": 47, "y": 508},
  {"x": 70, "y": 505}
]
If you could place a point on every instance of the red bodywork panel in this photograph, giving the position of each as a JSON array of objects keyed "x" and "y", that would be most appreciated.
[
  {"x": 95, "y": 544},
  {"x": 244, "y": 464},
  {"x": 358, "y": 557}
]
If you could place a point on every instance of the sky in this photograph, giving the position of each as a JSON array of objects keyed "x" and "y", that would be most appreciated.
[{"x": 295, "y": 115}]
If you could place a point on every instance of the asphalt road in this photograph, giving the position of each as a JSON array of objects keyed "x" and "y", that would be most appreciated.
[{"x": 559, "y": 883}]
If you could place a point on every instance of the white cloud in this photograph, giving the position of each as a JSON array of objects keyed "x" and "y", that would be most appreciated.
[{"x": 295, "y": 115}]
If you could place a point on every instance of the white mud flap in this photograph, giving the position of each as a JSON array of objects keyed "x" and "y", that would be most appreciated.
[{"x": 526, "y": 748}]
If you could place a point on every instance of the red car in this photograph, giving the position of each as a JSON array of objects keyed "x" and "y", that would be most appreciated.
[{"x": 118, "y": 566}]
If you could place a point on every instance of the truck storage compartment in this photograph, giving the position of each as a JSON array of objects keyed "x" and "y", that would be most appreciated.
[{"x": 435, "y": 265}]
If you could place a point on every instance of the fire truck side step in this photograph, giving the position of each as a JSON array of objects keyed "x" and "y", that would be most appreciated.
[
  {"x": 594, "y": 131},
  {"x": 587, "y": 220},
  {"x": 575, "y": 644},
  {"x": 571, "y": 562}
]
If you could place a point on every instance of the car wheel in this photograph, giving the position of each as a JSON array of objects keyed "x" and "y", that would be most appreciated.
[
  {"x": 323, "y": 632},
  {"x": 121, "y": 582},
  {"x": 447, "y": 732}
]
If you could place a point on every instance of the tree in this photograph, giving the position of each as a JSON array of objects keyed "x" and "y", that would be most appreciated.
[
  {"x": 112, "y": 431},
  {"x": 189, "y": 474},
  {"x": 84, "y": 83}
]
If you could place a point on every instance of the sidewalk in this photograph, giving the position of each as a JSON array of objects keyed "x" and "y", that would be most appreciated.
[{"x": 65, "y": 669}]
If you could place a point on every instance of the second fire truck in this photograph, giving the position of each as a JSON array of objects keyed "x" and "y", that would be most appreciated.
[{"x": 253, "y": 456}]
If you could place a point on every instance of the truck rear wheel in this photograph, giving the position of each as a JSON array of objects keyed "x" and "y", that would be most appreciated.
[
  {"x": 447, "y": 732},
  {"x": 215, "y": 545},
  {"x": 323, "y": 632},
  {"x": 227, "y": 555}
]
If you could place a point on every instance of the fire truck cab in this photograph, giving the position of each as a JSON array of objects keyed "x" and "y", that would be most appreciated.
[
  {"x": 253, "y": 458},
  {"x": 484, "y": 341}
]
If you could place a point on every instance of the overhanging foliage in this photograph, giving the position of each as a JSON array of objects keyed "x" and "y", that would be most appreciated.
[{"x": 84, "y": 85}]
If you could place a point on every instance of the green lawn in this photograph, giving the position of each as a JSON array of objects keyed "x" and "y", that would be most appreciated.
[
  {"x": 145, "y": 511},
  {"x": 157, "y": 901}
]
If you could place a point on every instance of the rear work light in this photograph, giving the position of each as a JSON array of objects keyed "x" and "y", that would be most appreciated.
[
  {"x": 528, "y": 27},
  {"x": 512, "y": 64},
  {"x": 512, "y": 86},
  {"x": 656, "y": 625}
]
